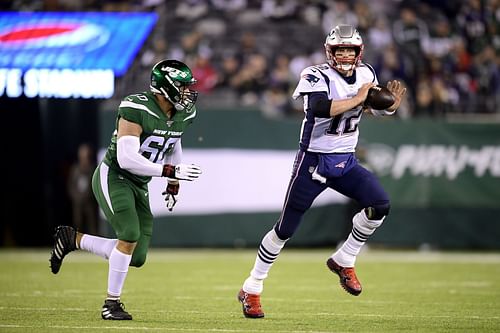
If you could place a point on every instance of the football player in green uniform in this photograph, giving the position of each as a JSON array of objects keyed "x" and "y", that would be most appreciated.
[{"x": 146, "y": 143}]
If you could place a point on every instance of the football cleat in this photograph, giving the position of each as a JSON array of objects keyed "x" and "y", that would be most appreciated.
[
  {"x": 64, "y": 243},
  {"x": 347, "y": 275},
  {"x": 251, "y": 304},
  {"x": 114, "y": 310}
]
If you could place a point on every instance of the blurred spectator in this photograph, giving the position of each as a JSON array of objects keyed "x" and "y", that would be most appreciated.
[
  {"x": 486, "y": 73},
  {"x": 439, "y": 47},
  {"x": 390, "y": 65},
  {"x": 229, "y": 6},
  {"x": 366, "y": 19},
  {"x": 410, "y": 33},
  {"x": 157, "y": 52},
  {"x": 310, "y": 12},
  {"x": 189, "y": 48},
  {"x": 424, "y": 99},
  {"x": 338, "y": 12},
  {"x": 79, "y": 185},
  {"x": 441, "y": 40},
  {"x": 247, "y": 46},
  {"x": 279, "y": 9},
  {"x": 205, "y": 74},
  {"x": 191, "y": 9},
  {"x": 251, "y": 81},
  {"x": 229, "y": 68},
  {"x": 492, "y": 14},
  {"x": 379, "y": 37},
  {"x": 472, "y": 22},
  {"x": 276, "y": 99},
  {"x": 298, "y": 63}
]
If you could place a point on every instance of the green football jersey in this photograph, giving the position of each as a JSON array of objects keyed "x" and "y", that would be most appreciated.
[{"x": 159, "y": 133}]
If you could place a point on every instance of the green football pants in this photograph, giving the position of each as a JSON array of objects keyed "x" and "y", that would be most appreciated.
[{"x": 126, "y": 207}]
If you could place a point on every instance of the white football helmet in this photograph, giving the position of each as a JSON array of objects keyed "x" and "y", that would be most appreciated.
[{"x": 343, "y": 36}]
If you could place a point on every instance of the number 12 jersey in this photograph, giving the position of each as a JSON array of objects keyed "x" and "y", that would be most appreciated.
[{"x": 337, "y": 134}]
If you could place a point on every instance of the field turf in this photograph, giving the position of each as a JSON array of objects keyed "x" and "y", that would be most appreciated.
[{"x": 195, "y": 291}]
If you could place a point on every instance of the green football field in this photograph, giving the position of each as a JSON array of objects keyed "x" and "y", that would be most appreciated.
[{"x": 195, "y": 291}]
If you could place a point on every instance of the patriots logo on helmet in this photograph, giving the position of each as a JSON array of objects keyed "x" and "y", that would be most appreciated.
[{"x": 311, "y": 79}]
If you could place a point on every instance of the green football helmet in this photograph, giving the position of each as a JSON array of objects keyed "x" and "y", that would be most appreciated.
[{"x": 170, "y": 79}]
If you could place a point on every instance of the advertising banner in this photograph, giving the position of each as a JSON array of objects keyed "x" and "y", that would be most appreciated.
[{"x": 68, "y": 55}]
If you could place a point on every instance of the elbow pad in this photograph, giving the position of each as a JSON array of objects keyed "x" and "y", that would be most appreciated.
[
  {"x": 319, "y": 104},
  {"x": 129, "y": 158}
]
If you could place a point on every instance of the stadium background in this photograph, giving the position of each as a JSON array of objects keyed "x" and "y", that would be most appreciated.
[{"x": 439, "y": 158}]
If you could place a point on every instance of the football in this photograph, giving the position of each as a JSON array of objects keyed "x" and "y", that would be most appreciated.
[{"x": 379, "y": 98}]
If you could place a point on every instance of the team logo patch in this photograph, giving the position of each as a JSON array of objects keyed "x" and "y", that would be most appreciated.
[
  {"x": 312, "y": 79},
  {"x": 341, "y": 164}
]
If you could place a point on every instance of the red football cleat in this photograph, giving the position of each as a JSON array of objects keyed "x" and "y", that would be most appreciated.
[
  {"x": 347, "y": 275},
  {"x": 251, "y": 304}
]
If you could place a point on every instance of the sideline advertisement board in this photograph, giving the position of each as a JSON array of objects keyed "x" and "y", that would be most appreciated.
[{"x": 68, "y": 55}]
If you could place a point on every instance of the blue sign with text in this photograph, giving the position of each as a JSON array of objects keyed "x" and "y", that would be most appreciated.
[{"x": 82, "y": 41}]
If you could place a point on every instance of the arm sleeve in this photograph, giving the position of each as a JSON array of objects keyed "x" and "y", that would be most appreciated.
[
  {"x": 175, "y": 157},
  {"x": 319, "y": 104},
  {"x": 129, "y": 158}
]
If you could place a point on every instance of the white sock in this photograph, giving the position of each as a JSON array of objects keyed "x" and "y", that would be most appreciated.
[
  {"x": 362, "y": 229},
  {"x": 269, "y": 249},
  {"x": 98, "y": 245},
  {"x": 253, "y": 285},
  {"x": 118, "y": 269}
]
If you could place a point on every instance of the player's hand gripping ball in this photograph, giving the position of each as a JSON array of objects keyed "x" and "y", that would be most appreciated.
[{"x": 379, "y": 98}]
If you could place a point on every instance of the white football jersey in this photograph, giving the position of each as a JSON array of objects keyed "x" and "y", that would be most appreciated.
[{"x": 340, "y": 133}]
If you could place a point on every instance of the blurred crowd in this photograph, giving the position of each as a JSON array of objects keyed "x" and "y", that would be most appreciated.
[{"x": 248, "y": 53}]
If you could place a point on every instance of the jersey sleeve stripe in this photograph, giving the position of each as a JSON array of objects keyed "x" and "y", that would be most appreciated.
[
  {"x": 128, "y": 104},
  {"x": 372, "y": 70},
  {"x": 327, "y": 80}
]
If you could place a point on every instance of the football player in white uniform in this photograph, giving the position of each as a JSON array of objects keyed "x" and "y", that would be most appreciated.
[{"x": 333, "y": 95}]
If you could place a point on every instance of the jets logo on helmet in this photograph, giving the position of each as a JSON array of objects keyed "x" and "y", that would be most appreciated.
[
  {"x": 174, "y": 72},
  {"x": 343, "y": 36},
  {"x": 171, "y": 78}
]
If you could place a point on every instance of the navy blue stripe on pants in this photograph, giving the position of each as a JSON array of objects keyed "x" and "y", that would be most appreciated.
[{"x": 358, "y": 184}]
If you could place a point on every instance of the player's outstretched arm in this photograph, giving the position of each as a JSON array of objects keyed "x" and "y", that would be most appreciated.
[{"x": 129, "y": 158}]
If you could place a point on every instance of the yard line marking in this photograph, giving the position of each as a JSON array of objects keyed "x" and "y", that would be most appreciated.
[
  {"x": 159, "y": 329},
  {"x": 403, "y": 316},
  {"x": 230, "y": 312},
  {"x": 40, "y": 309}
]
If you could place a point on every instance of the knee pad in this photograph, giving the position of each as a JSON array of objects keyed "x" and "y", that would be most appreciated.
[
  {"x": 129, "y": 234},
  {"x": 377, "y": 212},
  {"x": 364, "y": 224}
]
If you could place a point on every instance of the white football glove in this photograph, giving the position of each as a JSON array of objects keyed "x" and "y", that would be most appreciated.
[
  {"x": 188, "y": 172},
  {"x": 170, "y": 192},
  {"x": 170, "y": 201}
]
